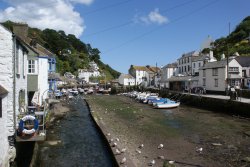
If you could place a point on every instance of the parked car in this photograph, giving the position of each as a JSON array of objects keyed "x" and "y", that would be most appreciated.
[
  {"x": 74, "y": 92},
  {"x": 199, "y": 90},
  {"x": 58, "y": 94}
]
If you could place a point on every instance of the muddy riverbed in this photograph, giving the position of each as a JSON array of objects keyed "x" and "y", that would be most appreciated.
[{"x": 190, "y": 136}]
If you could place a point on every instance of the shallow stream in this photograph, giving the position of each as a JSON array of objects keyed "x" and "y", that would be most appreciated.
[{"x": 78, "y": 142}]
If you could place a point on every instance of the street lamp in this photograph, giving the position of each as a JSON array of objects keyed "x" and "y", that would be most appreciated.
[{"x": 189, "y": 83}]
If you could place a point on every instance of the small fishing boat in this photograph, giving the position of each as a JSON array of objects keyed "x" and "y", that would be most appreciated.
[
  {"x": 167, "y": 104},
  {"x": 157, "y": 100}
]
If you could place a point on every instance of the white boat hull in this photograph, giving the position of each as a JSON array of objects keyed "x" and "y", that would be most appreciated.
[{"x": 167, "y": 105}]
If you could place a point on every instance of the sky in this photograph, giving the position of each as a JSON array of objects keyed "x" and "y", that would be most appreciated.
[{"x": 133, "y": 32}]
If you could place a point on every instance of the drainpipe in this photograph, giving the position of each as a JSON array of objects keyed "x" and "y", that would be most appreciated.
[{"x": 14, "y": 79}]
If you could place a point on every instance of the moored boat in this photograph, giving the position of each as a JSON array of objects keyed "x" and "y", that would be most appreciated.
[{"x": 167, "y": 104}]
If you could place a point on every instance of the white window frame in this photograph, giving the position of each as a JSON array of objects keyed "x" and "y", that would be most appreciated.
[
  {"x": 31, "y": 66},
  {"x": 233, "y": 69}
]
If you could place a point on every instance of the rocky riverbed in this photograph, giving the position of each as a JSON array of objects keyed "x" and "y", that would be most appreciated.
[{"x": 190, "y": 136}]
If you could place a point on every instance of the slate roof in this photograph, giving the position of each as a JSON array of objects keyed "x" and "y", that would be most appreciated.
[
  {"x": 127, "y": 76},
  {"x": 154, "y": 69},
  {"x": 172, "y": 65},
  {"x": 200, "y": 58},
  {"x": 244, "y": 61},
  {"x": 140, "y": 68},
  {"x": 216, "y": 64},
  {"x": 193, "y": 53}
]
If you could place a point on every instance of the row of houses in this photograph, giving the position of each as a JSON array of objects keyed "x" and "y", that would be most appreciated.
[
  {"x": 193, "y": 69},
  {"x": 85, "y": 74},
  {"x": 24, "y": 81},
  {"x": 205, "y": 71}
]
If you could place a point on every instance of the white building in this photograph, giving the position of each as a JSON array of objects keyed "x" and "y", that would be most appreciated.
[
  {"x": 93, "y": 66},
  {"x": 140, "y": 73},
  {"x": 93, "y": 71},
  {"x": 167, "y": 72},
  {"x": 244, "y": 61},
  {"x": 13, "y": 91},
  {"x": 213, "y": 75},
  {"x": 37, "y": 66},
  {"x": 185, "y": 63},
  {"x": 198, "y": 61},
  {"x": 126, "y": 80}
]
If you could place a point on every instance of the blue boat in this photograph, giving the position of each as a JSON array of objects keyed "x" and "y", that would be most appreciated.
[{"x": 167, "y": 104}]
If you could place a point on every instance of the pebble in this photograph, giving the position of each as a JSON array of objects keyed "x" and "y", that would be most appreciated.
[
  {"x": 161, "y": 157},
  {"x": 216, "y": 144}
]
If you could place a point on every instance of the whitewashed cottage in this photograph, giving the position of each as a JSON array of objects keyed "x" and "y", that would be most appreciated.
[
  {"x": 213, "y": 76},
  {"x": 92, "y": 71},
  {"x": 140, "y": 73},
  {"x": 38, "y": 66},
  {"x": 126, "y": 80},
  {"x": 13, "y": 91},
  {"x": 244, "y": 61},
  {"x": 167, "y": 72}
]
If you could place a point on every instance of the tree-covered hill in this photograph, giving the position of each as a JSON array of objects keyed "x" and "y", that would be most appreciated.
[
  {"x": 71, "y": 53},
  {"x": 237, "y": 41}
]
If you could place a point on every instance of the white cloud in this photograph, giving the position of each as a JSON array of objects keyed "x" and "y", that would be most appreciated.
[
  {"x": 86, "y": 2},
  {"x": 54, "y": 14},
  {"x": 153, "y": 17}
]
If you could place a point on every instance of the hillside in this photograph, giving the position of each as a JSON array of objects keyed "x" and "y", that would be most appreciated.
[
  {"x": 71, "y": 53},
  {"x": 237, "y": 41}
]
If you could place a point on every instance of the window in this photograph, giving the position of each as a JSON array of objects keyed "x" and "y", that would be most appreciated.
[
  {"x": 216, "y": 82},
  {"x": 188, "y": 68},
  {"x": 1, "y": 107},
  {"x": 185, "y": 69},
  {"x": 31, "y": 67},
  {"x": 204, "y": 81},
  {"x": 199, "y": 64},
  {"x": 194, "y": 65},
  {"x": 179, "y": 69},
  {"x": 188, "y": 59},
  {"x": 204, "y": 73},
  {"x": 215, "y": 71},
  {"x": 233, "y": 69}
]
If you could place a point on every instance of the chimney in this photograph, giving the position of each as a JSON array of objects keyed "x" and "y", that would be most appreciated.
[
  {"x": 211, "y": 54},
  {"x": 21, "y": 30},
  {"x": 223, "y": 56},
  {"x": 236, "y": 54}
]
